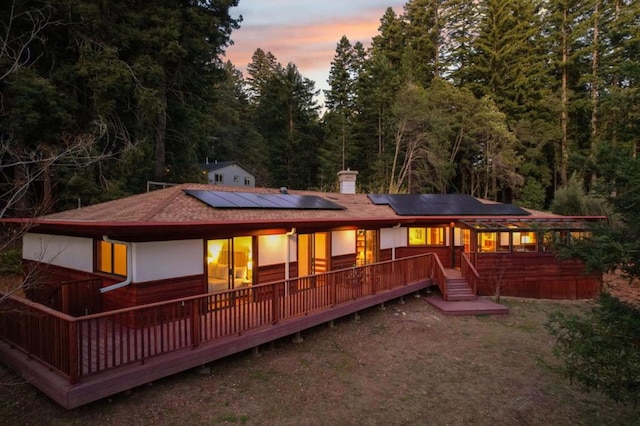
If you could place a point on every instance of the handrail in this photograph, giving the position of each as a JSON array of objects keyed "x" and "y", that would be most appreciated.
[
  {"x": 469, "y": 272},
  {"x": 440, "y": 277},
  {"x": 81, "y": 346}
]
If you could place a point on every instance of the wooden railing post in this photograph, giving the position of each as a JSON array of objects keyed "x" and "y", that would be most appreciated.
[
  {"x": 274, "y": 303},
  {"x": 195, "y": 323},
  {"x": 64, "y": 298},
  {"x": 73, "y": 353}
]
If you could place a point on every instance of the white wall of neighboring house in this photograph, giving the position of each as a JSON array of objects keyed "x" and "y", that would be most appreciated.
[
  {"x": 232, "y": 175},
  {"x": 343, "y": 242},
  {"x": 167, "y": 259},
  {"x": 68, "y": 252}
]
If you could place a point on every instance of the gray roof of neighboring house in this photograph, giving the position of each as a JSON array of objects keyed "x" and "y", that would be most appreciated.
[{"x": 217, "y": 165}]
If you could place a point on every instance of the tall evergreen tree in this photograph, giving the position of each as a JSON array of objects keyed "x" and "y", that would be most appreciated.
[
  {"x": 142, "y": 73},
  {"x": 376, "y": 88},
  {"x": 340, "y": 105},
  {"x": 460, "y": 20},
  {"x": 286, "y": 115},
  {"x": 423, "y": 40}
]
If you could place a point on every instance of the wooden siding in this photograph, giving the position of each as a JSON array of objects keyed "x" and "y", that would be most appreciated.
[
  {"x": 443, "y": 253},
  {"x": 343, "y": 262},
  {"x": 270, "y": 273},
  {"x": 536, "y": 275}
]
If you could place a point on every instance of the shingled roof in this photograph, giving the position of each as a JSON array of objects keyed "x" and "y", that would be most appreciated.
[
  {"x": 172, "y": 213},
  {"x": 174, "y": 205}
]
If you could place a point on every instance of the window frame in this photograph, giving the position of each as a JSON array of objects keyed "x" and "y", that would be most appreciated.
[
  {"x": 425, "y": 230},
  {"x": 113, "y": 258}
]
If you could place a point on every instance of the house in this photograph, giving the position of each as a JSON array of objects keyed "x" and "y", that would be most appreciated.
[
  {"x": 229, "y": 173},
  {"x": 132, "y": 290}
]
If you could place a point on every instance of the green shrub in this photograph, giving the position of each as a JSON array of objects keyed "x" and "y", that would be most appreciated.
[
  {"x": 600, "y": 349},
  {"x": 11, "y": 261}
]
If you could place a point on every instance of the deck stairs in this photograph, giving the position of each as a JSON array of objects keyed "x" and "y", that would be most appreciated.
[{"x": 458, "y": 289}]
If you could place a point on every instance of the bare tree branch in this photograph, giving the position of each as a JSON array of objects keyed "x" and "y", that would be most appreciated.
[{"x": 16, "y": 45}]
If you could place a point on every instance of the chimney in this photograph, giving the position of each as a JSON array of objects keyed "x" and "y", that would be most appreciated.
[{"x": 347, "y": 180}]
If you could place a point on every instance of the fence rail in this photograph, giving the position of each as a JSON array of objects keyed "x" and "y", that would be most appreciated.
[{"x": 87, "y": 345}]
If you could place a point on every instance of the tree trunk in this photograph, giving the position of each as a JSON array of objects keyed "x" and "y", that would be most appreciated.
[
  {"x": 594, "y": 94},
  {"x": 21, "y": 184},
  {"x": 160, "y": 133},
  {"x": 564, "y": 153}
]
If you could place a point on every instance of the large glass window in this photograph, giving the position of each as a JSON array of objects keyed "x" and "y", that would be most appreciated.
[
  {"x": 427, "y": 236},
  {"x": 229, "y": 263},
  {"x": 112, "y": 258},
  {"x": 366, "y": 247},
  {"x": 313, "y": 253},
  {"x": 487, "y": 242},
  {"x": 525, "y": 241}
]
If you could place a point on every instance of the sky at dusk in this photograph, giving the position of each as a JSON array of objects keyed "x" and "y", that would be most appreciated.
[{"x": 304, "y": 32}]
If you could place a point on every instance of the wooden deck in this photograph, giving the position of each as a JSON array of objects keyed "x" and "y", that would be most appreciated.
[{"x": 79, "y": 360}]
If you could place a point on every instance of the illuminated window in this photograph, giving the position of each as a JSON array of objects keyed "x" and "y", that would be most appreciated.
[
  {"x": 503, "y": 242},
  {"x": 575, "y": 235},
  {"x": 427, "y": 236},
  {"x": 487, "y": 242},
  {"x": 366, "y": 247},
  {"x": 112, "y": 258},
  {"x": 525, "y": 241}
]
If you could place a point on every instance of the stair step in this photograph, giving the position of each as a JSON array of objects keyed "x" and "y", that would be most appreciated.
[
  {"x": 458, "y": 287},
  {"x": 460, "y": 292},
  {"x": 459, "y": 298}
]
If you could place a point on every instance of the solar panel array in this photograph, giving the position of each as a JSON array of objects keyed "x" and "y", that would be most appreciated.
[
  {"x": 443, "y": 205},
  {"x": 247, "y": 200}
]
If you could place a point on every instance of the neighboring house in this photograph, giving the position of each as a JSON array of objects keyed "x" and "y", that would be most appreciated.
[
  {"x": 150, "y": 285},
  {"x": 229, "y": 173}
]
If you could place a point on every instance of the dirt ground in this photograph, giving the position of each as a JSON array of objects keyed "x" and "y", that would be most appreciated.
[{"x": 407, "y": 364}]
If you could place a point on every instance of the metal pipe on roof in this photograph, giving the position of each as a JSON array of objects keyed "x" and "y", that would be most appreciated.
[{"x": 129, "y": 278}]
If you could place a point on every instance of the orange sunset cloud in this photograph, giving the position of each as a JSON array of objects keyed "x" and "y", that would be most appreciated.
[{"x": 309, "y": 45}]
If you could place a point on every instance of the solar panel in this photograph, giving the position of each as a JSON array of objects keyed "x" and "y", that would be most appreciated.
[
  {"x": 443, "y": 205},
  {"x": 248, "y": 200}
]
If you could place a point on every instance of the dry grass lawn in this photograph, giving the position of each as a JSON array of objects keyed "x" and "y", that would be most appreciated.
[{"x": 407, "y": 364}]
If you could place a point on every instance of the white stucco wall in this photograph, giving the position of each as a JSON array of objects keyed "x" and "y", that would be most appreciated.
[
  {"x": 272, "y": 249},
  {"x": 167, "y": 259},
  {"x": 229, "y": 172},
  {"x": 343, "y": 242},
  {"x": 393, "y": 237},
  {"x": 69, "y": 252}
]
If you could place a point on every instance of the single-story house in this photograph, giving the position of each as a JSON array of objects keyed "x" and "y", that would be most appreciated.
[{"x": 131, "y": 290}]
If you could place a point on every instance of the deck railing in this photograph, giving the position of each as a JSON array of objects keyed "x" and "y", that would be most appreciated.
[
  {"x": 439, "y": 276},
  {"x": 78, "y": 298},
  {"x": 82, "y": 346},
  {"x": 469, "y": 272}
]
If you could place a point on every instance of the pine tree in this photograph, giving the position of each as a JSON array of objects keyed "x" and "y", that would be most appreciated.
[
  {"x": 423, "y": 40},
  {"x": 460, "y": 20}
]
